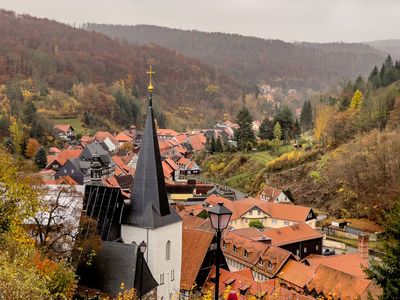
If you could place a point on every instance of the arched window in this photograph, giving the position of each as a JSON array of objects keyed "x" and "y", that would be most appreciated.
[{"x": 168, "y": 250}]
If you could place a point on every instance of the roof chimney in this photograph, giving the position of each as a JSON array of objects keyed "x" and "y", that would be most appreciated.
[{"x": 363, "y": 245}]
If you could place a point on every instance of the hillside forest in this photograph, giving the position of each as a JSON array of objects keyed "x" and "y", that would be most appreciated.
[{"x": 348, "y": 162}]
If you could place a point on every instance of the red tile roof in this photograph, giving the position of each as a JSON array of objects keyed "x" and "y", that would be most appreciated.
[
  {"x": 167, "y": 132},
  {"x": 122, "y": 137},
  {"x": 198, "y": 141},
  {"x": 292, "y": 234},
  {"x": 328, "y": 281},
  {"x": 296, "y": 274},
  {"x": 64, "y": 155},
  {"x": 195, "y": 244},
  {"x": 279, "y": 211},
  {"x": 349, "y": 263},
  {"x": 62, "y": 127},
  {"x": 102, "y": 135},
  {"x": 270, "y": 192}
]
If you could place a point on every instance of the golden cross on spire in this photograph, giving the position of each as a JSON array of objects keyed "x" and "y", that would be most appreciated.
[{"x": 150, "y": 72}]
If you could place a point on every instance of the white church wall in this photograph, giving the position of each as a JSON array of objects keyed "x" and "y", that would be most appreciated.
[{"x": 166, "y": 272}]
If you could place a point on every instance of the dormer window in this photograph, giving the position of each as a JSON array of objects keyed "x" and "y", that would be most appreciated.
[
  {"x": 234, "y": 248},
  {"x": 261, "y": 262},
  {"x": 246, "y": 254},
  {"x": 223, "y": 244},
  {"x": 270, "y": 265}
]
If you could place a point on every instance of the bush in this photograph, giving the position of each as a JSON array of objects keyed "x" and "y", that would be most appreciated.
[
  {"x": 292, "y": 159},
  {"x": 256, "y": 224}
]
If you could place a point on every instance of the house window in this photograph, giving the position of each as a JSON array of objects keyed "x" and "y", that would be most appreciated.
[
  {"x": 246, "y": 254},
  {"x": 317, "y": 247},
  {"x": 259, "y": 212},
  {"x": 286, "y": 223},
  {"x": 234, "y": 248},
  {"x": 298, "y": 252},
  {"x": 305, "y": 249},
  {"x": 261, "y": 262},
  {"x": 274, "y": 221},
  {"x": 168, "y": 251},
  {"x": 161, "y": 278},
  {"x": 250, "y": 212},
  {"x": 269, "y": 265},
  {"x": 223, "y": 244},
  {"x": 172, "y": 275}
]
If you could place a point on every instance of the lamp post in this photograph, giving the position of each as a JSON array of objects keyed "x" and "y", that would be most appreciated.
[
  {"x": 220, "y": 217},
  {"x": 142, "y": 249}
]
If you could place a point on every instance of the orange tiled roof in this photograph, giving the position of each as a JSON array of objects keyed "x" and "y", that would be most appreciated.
[
  {"x": 168, "y": 171},
  {"x": 62, "y": 127},
  {"x": 122, "y": 137},
  {"x": 198, "y": 141},
  {"x": 340, "y": 285},
  {"x": 270, "y": 192},
  {"x": 54, "y": 150},
  {"x": 102, "y": 135},
  {"x": 180, "y": 138},
  {"x": 279, "y": 211},
  {"x": 297, "y": 274},
  {"x": 195, "y": 244},
  {"x": 122, "y": 169},
  {"x": 167, "y": 132},
  {"x": 349, "y": 263},
  {"x": 245, "y": 240},
  {"x": 292, "y": 234},
  {"x": 64, "y": 155}
]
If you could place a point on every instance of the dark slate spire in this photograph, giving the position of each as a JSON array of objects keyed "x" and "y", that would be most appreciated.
[{"x": 149, "y": 201}]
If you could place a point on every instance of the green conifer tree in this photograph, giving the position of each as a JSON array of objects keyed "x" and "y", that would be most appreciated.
[
  {"x": 244, "y": 135},
  {"x": 41, "y": 158},
  {"x": 306, "y": 116},
  {"x": 266, "y": 130}
]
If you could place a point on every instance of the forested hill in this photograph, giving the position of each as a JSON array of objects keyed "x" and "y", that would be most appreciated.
[
  {"x": 251, "y": 60},
  {"x": 57, "y": 56}
]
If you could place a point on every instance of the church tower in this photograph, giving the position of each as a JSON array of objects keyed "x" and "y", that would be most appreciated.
[{"x": 150, "y": 217}]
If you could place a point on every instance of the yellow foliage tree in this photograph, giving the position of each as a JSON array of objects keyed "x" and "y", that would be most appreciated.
[
  {"x": 324, "y": 115},
  {"x": 16, "y": 134},
  {"x": 356, "y": 100},
  {"x": 31, "y": 148}
]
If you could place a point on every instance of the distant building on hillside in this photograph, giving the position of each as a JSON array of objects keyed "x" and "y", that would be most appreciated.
[{"x": 64, "y": 131}]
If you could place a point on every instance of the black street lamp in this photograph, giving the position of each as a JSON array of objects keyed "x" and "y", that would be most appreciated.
[
  {"x": 220, "y": 217},
  {"x": 142, "y": 249}
]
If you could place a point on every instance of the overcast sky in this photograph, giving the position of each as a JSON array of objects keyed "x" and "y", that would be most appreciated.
[{"x": 289, "y": 20}]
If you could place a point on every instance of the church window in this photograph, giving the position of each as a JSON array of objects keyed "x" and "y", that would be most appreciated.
[
  {"x": 168, "y": 251},
  {"x": 161, "y": 278},
  {"x": 172, "y": 275}
]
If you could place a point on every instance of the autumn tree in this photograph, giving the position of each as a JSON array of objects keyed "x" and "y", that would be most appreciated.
[
  {"x": 244, "y": 135},
  {"x": 41, "y": 158},
  {"x": 323, "y": 118},
  {"x": 17, "y": 135},
  {"x": 356, "y": 100},
  {"x": 32, "y": 148},
  {"x": 277, "y": 135}
]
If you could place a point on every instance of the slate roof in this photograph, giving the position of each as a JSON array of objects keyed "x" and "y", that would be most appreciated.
[
  {"x": 92, "y": 149},
  {"x": 114, "y": 264},
  {"x": 149, "y": 206}
]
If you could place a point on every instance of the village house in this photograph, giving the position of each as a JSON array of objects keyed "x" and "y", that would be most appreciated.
[
  {"x": 272, "y": 194},
  {"x": 107, "y": 140},
  {"x": 64, "y": 131},
  {"x": 300, "y": 239},
  {"x": 166, "y": 134},
  {"x": 270, "y": 215},
  {"x": 188, "y": 166},
  {"x": 248, "y": 248}
]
